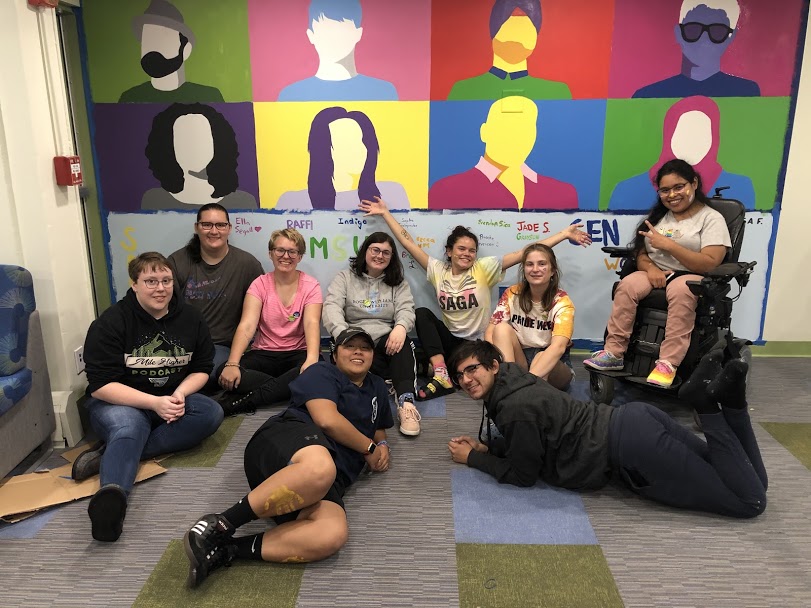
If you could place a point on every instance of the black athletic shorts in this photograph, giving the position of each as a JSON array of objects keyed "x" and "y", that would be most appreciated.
[{"x": 272, "y": 447}]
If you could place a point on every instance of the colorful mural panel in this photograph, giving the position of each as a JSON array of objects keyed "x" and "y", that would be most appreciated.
[{"x": 508, "y": 116}]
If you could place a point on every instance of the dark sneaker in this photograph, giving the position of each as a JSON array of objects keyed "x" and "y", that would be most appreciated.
[
  {"x": 208, "y": 546},
  {"x": 234, "y": 403},
  {"x": 107, "y": 510},
  {"x": 88, "y": 463}
]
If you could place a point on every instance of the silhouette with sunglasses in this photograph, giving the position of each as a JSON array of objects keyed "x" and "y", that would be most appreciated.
[{"x": 706, "y": 29}]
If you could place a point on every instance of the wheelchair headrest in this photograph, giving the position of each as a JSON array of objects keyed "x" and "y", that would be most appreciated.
[{"x": 735, "y": 216}]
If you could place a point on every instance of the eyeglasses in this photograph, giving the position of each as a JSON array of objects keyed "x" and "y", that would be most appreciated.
[
  {"x": 153, "y": 283},
  {"x": 677, "y": 189},
  {"x": 386, "y": 253},
  {"x": 280, "y": 253},
  {"x": 210, "y": 225},
  {"x": 717, "y": 32},
  {"x": 467, "y": 372}
]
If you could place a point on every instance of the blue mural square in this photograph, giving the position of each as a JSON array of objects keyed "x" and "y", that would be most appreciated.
[{"x": 485, "y": 511}]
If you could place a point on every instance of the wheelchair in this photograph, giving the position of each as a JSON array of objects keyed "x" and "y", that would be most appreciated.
[{"x": 713, "y": 315}]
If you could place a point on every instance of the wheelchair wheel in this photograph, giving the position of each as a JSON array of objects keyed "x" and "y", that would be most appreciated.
[{"x": 601, "y": 388}]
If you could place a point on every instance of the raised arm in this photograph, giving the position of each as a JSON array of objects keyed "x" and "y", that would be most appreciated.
[
  {"x": 695, "y": 261},
  {"x": 571, "y": 233},
  {"x": 378, "y": 207}
]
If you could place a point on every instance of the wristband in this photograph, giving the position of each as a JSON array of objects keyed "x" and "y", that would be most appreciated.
[
  {"x": 232, "y": 365},
  {"x": 384, "y": 442}
]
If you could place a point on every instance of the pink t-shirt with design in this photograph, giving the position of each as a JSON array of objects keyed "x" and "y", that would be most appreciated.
[{"x": 281, "y": 328}]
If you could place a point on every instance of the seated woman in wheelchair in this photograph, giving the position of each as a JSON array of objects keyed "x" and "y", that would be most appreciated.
[
  {"x": 681, "y": 239},
  {"x": 534, "y": 320}
]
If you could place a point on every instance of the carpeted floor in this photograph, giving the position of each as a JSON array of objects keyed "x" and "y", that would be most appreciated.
[{"x": 431, "y": 533}]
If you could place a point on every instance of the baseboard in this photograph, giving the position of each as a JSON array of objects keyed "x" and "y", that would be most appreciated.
[
  {"x": 69, "y": 429},
  {"x": 782, "y": 349}
]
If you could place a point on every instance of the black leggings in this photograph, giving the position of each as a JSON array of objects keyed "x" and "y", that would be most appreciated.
[
  {"x": 269, "y": 374},
  {"x": 661, "y": 460},
  {"x": 400, "y": 367},
  {"x": 436, "y": 339}
]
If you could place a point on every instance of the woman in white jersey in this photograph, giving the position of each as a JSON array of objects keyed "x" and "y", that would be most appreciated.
[
  {"x": 534, "y": 320},
  {"x": 463, "y": 284}
]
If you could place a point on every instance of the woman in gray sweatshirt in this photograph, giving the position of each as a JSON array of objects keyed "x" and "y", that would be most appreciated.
[{"x": 373, "y": 294}]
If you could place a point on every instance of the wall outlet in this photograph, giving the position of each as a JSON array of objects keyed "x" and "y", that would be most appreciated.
[{"x": 78, "y": 357}]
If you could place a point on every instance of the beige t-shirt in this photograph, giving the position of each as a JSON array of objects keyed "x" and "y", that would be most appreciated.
[
  {"x": 707, "y": 227},
  {"x": 464, "y": 299}
]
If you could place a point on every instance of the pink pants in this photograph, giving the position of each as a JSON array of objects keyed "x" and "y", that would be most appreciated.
[{"x": 681, "y": 315}]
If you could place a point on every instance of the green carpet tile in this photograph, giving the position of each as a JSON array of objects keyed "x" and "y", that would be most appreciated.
[
  {"x": 794, "y": 436},
  {"x": 244, "y": 583},
  {"x": 208, "y": 453},
  {"x": 575, "y": 576}
]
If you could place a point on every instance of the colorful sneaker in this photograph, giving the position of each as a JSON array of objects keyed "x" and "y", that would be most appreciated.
[
  {"x": 409, "y": 419},
  {"x": 208, "y": 546},
  {"x": 436, "y": 387},
  {"x": 663, "y": 374},
  {"x": 605, "y": 361}
]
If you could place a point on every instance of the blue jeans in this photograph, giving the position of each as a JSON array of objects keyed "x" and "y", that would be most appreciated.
[
  {"x": 221, "y": 354},
  {"x": 133, "y": 434}
]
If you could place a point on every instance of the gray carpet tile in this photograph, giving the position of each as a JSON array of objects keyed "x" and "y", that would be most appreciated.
[{"x": 401, "y": 549}]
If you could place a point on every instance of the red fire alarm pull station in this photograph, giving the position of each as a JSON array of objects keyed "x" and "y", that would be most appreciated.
[
  {"x": 68, "y": 170},
  {"x": 46, "y": 3}
]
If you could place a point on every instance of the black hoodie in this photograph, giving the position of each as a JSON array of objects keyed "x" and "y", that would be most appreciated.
[
  {"x": 546, "y": 434},
  {"x": 128, "y": 345}
]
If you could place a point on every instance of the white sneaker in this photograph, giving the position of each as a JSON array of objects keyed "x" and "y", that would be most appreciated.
[{"x": 409, "y": 419}]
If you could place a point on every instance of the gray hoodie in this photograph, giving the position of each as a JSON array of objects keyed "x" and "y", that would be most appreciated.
[{"x": 368, "y": 303}]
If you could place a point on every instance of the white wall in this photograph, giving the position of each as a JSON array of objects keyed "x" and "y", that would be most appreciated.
[
  {"x": 41, "y": 224},
  {"x": 789, "y": 299}
]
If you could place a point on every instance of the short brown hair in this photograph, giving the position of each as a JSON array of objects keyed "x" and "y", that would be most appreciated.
[
  {"x": 291, "y": 234},
  {"x": 151, "y": 260}
]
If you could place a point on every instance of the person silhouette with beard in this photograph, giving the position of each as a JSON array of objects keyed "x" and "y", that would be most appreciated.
[{"x": 166, "y": 44}]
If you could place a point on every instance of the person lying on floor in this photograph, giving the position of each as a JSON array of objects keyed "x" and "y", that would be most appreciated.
[
  {"x": 300, "y": 462},
  {"x": 581, "y": 446},
  {"x": 145, "y": 358}
]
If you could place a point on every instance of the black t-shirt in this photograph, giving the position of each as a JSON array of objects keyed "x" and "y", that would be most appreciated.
[{"x": 366, "y": 407}]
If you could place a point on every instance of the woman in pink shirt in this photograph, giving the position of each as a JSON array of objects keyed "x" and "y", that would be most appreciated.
[{"x": 282, "y": 315}]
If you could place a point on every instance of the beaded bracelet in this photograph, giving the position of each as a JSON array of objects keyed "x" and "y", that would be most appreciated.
[{"x": 232, "y": 365}]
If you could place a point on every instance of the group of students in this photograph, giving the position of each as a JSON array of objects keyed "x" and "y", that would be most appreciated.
[{"x": 207, "y": 321}]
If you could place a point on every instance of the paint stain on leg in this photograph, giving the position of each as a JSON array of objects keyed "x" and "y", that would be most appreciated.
[
  {"x": 282, "y": 501},
  {"x": 294, "y": 559}
]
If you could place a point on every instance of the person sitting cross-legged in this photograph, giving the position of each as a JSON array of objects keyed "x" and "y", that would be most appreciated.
[{"x": 300, "y": 462}]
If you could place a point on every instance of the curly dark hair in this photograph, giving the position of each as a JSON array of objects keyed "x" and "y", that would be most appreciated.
[
  {"x": 160, "y": 149},
  {"x": 457, "y": 233},
  {"x": 393, "y": 275},
  {"x": 685, "y": 171}
]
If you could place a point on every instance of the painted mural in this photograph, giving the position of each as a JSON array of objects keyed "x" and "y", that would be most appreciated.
[{"x": 512, "y": 117}]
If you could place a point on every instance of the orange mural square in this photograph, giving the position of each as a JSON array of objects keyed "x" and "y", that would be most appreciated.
[{"x": 541, "y": 49}]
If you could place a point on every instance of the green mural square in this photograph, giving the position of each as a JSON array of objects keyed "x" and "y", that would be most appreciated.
[
  {"x": 751, "y": 141},
  {"x": 220, "y": 57},
  {"x": 245, "y": 583},
  {"x": 534, "y": 575},
  {"x": 210, "y": 450},
  {"x": 794, "y": 436}
]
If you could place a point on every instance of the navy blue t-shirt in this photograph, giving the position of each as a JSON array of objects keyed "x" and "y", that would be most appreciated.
[{"x": 366, "y": 407}]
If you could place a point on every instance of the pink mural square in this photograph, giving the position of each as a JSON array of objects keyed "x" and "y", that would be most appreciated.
[
  {"x": 645, "y": 49},
  {"x": 395, "y": 47}
]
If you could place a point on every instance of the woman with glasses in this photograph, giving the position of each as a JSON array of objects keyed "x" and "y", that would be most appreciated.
[
  {"x": 372, "y": 294},
  {"x": 146, "y": 358},
  {"x": 213, "y": 276},
  {"x": 282, "y": 315},
  {"x": 463, "y": 284},
  {"x": 681, "y": 239}
]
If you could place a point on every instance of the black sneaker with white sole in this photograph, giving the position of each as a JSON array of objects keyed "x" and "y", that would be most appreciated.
[
  {"x": 235, "y": 403},
  {"x": 208, "y": 546}
]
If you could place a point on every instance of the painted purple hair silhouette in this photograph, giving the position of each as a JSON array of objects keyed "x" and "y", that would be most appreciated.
[{"x": 319, "y": 180}]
